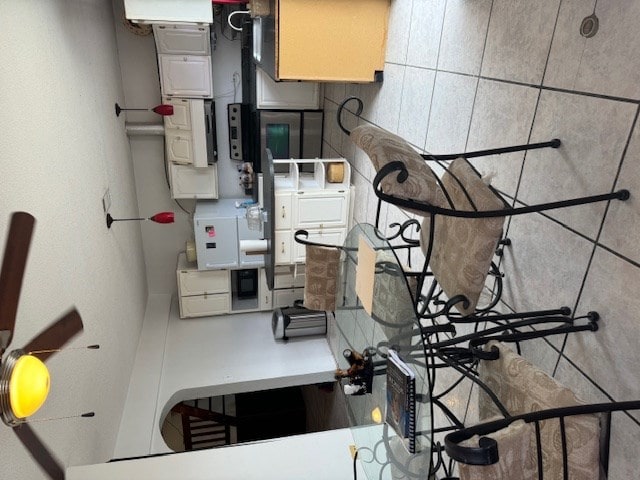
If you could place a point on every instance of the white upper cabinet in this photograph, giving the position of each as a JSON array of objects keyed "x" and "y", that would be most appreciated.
[
  {"x": 185, "y": 76},
  {"x": 184, "y": 11},
  {"x": 177, "y": 39},
  {"x": 189, "y": 182},
  {"x": 286, "y": 95}
]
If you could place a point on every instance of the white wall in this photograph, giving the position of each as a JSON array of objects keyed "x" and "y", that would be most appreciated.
[
  {"x": 141, "y": 86},
  {"x": 61, "y": 147}
]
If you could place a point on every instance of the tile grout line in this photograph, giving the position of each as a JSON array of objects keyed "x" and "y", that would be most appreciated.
[
  {"x": 423, "y": 148},
  {"x": 596, "y": 242}
]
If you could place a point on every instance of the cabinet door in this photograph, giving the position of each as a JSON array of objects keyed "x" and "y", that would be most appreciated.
[
  {"x": 179, "y": 146},
  {"x": 175, "y": 39},
  {"x": 203, "y": 305},
  {"x": 286, "y": 298},
  {"x": 190, "y": 182},
  {"x": 198, "y": 133},
  {"x": 185, "y": 75},
  {"x": 289, "y": 276},
  {"x": 265, "y": 295},
  {"x": 185, "y": 11},
  {"x": 283, "y": 211},
  {"x": 181, "y": 118},
  {"x": 285, "y": 95},
  {"x": 334, "y": 236},
  {"x": 282, "y": 247},
  {"x": 198, "y": 282},
  {"x": 320, "y": 210}
]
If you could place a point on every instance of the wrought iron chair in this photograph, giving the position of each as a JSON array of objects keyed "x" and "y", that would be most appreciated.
[
  {"x": 541, "y": 430},
  {"x": 460, "y": 233}
]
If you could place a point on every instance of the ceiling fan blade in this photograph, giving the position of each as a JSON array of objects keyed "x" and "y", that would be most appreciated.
[
  {"x": 13, "y": 265},
  {"x": 39, "y": 451},
  {"x": 56, "y": 335}
]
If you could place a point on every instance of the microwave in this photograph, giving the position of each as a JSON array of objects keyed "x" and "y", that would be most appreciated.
[{"x": 290, "y": 133}]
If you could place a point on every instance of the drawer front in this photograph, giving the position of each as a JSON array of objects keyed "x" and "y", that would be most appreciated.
[
  {"x": 203, "y": 305},
  {"x": 195, "y": 282},
  {"x": 320, "y": 211},
  {"x": 334, "y": 236},
  {"x": 282, "y": 247},
  {"x": 286, "y": 298},
  {"x": 284, "y": 277},
  {"x": 282, "y": 211}
]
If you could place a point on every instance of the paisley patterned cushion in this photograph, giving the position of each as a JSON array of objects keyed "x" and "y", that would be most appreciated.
[
  {"x": 383, "y": 147},
  {"x": 523, "y": 388},
  {"x": 321, "y": 277},
  {"x": 515, "y": 461},
  {"x": 463, "y": 247}
]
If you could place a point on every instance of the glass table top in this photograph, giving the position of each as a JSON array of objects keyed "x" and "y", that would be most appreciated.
[{"x": 392, "y": 324}]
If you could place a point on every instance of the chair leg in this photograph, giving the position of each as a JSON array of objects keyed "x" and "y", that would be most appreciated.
[{"x": 555, "y": 143}]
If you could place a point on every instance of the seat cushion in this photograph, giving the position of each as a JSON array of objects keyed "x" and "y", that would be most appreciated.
[
  {"x": 522, "y": 388},
  {"x": 515, "y": 461},
  {"x": 321, "y": 277},
  {"x": 464, "y": 247},
  {"x": 383, "y": 147}
]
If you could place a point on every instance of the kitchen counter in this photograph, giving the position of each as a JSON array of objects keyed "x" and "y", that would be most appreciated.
[{"x": 185, "y": 359}]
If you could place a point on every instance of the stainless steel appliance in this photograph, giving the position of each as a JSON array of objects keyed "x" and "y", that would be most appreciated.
[
  {"x": 298, "y": 322},
  {"x": 290, "y": 133}
]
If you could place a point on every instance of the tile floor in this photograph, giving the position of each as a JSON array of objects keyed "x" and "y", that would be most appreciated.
[{"x": 463, "y": 75}]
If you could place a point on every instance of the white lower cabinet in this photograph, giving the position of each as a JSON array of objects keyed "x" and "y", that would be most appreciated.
[
  {"x": 203, "y": 293},
  {"x": 287, "y": 297},
  {"x": 204, "y": 305},
  {"x": 282, "y": 247},
  {"x": 288, "y": 282},
  {"x": 334, "y": 236}
]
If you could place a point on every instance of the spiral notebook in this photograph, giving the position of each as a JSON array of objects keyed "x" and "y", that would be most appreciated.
[{"x": 401, "y": 400}]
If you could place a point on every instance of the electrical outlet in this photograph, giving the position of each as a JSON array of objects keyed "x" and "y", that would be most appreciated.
[{"x": 106, "y": 201}]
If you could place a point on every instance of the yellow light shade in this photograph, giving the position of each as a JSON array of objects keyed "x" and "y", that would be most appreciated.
[
  {"x": 28, "y": 386},
  {"x": 376, "y": 415}
]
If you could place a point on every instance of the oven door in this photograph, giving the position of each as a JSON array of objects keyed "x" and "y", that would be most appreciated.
[{"x": 280, "y": 132}]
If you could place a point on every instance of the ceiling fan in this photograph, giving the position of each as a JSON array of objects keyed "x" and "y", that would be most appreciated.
[{"x": 24, "y": 378}]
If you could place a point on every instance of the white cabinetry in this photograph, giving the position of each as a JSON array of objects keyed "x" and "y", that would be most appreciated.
[
  {"x": 306, "y": 200},
  {"x": 285, "y": 95},
  {"x": 202, "y": 293},
  {"x": 147, "y": 11},
  {"x": 212, "y": 292},
  {"x": 186, "y": 148},
  {"x": 189, "y": 182},
  {"x": 180, "y": 39},
  {"x": 288, "y": 283},
  {"x": 185, "y": 136},
  {"x": 187, "y": 76}
]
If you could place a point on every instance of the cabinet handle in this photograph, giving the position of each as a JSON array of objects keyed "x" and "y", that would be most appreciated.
[
  {"x": 282, "y": 247},
  {"x": 283, "y": 211}
]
